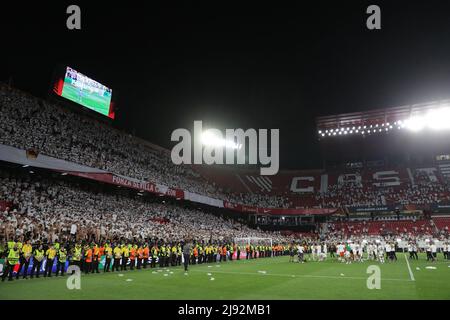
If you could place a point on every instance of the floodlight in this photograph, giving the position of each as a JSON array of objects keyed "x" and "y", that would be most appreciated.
[
  {"x": 438, "y": 119},
  {"x": 416, "y": 123},
  {"x": 211, "y": 139}
]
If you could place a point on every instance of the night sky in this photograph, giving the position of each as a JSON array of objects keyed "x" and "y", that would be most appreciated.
[{"x": 262, "y": 65}]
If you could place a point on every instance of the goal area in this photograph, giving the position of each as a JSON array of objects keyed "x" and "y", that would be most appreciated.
[{"x": 253, "y": 241}]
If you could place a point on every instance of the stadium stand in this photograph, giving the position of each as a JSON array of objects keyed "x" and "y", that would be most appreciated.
[{"x": 46, "y": 128}]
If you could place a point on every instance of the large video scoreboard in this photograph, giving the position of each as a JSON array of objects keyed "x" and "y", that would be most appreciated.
[{"x": 84, "y": 91}]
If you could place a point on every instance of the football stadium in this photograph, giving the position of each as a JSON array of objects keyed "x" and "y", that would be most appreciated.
[{"x": 330, "y": 198}]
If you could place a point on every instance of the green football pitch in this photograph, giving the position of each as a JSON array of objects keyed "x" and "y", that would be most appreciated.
[
  {"x": 90, "y": 100},
  {"x": 267, "y": 278}
]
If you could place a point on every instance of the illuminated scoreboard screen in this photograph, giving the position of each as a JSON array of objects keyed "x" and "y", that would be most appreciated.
[{"x": 85, "y": 91}]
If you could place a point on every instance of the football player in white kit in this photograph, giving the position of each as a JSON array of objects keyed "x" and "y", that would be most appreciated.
[
  {"x": 360, "y": 252},
  {"x": 300, "y": 250},
  {"x": 370, "y": 251},
  {"x": 387, "y": 248},
  {"x": 320, "y": 255},
  {"x": 380, "y": 252},
  {"x": 314, "y": 252},
  {"x": 445, "y": 251}
]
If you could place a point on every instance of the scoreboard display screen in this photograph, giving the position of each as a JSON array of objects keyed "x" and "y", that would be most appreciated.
[{"x": 85, "y": 91}]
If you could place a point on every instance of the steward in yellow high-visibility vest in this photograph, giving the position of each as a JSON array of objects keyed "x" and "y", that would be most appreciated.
[
  {"x": 61, "y": 263},
  {"x": 24, "y": 259},
  {"x": 11, "y": 260},
  {"x": 125, "y": 255},
  {"x": 76, "y": 255},
  {"x": 50, "y": 254},
  {"x": 11, "y": 245},
  {"x": 109, "y": 255},
  {"x": 162, "y": 256},
  {"x": 117, "y": 256},
  {"x": 38, "y": 257},
  {"x": 155, "y": 252}
]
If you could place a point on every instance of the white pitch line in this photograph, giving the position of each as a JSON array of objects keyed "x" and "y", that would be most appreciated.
[
  {"x": 409, "y": 269},
  {"x": 299, "y": 275}
]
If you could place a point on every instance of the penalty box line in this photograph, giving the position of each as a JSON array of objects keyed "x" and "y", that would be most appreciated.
[{"x": 297, "y": 275}]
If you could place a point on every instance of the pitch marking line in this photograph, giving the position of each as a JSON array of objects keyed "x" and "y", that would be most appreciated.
[
  {"x": 409, "y": 269},
  {"x": 299, "y": 275}
]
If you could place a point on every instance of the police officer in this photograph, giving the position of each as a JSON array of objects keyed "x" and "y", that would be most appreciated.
[{"x": 11, "y": 260}]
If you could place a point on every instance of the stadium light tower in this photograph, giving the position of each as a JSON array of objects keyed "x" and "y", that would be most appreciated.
[{"x": 433, "y": 116}]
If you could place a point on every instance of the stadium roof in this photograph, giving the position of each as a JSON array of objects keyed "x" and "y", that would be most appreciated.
[{"x": 376, "y": 116}]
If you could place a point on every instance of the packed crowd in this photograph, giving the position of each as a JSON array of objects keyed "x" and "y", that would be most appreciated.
[
  {"x": 45, "y": 208},
  {"x": 399, "y": 228},
  {"x": 29, "y": 123},
  {"x": 354, "y": 195}
]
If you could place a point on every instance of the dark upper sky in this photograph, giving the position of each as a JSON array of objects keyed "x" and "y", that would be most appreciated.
[{"x": 262, "y": 65}]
